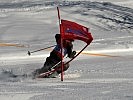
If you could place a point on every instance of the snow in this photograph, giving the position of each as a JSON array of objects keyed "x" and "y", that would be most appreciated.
[{"x": 104, "y": 70}]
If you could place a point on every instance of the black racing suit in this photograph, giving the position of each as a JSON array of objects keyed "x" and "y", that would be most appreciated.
[{"x": 55, "y": 58}]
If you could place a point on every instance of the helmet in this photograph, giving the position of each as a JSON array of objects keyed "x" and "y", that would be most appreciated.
[{"x": 57, "y": 36}]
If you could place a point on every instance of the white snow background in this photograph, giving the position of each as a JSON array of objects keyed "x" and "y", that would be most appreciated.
[{"x": 104, "y": 71}]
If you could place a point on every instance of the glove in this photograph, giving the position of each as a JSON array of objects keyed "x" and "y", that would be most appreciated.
[{"x": 73, "y": 54}]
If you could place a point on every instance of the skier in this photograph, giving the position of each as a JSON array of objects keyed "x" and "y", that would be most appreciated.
[{"x": 56, "y": 56}]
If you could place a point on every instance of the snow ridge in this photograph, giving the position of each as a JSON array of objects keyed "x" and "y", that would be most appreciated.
[{"x": 111, "y": 16}]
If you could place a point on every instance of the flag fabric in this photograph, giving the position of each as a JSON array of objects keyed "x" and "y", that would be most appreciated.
[{"x": 71, "y": 30}]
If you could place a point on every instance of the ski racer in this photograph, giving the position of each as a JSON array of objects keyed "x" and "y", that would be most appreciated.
[{"x": 56, "y": 57}]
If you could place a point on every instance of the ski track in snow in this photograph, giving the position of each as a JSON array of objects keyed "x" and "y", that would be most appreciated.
[{"x": 107, "y": 14}]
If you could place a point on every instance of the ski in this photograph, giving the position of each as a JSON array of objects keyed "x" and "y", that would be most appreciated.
[{"x": 48, "y": 73}]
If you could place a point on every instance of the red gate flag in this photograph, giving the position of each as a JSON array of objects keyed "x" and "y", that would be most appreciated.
[{"x": 72, "y": 30}]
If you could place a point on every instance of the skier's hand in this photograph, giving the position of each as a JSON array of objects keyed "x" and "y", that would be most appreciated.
[{"x": 73, "y": 54}]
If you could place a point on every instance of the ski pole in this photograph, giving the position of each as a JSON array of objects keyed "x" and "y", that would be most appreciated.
[{"x": 29, "y": 53}]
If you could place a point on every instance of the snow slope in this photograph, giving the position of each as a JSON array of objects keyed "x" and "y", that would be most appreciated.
[{"x": 102, "y": 72}]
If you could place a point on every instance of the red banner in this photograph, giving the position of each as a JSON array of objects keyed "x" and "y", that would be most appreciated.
[{"x": 72, "y": 30}]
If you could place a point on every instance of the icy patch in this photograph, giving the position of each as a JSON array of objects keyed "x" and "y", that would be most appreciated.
[
  {"x": 128, "y": 3},
  {"x": 104, "y": 80},
  {"x": 20, "y": 57},
  {"x": 110, "y": 51},
  {"x": 75, "y": 75}
]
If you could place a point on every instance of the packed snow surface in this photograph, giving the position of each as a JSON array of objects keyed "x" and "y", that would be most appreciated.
[{"x": 103, "y": 71}]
